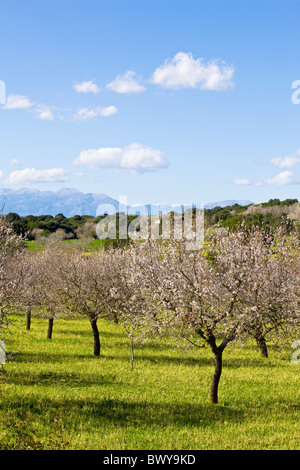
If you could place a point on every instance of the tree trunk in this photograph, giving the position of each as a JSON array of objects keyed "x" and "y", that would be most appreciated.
[
  {"x": 130, "y": 336},
  {"x": 216, "y": 376},
  {"x": 50, "y": 328},
  {"x": 28, "y": 319},
  {"x": 96, "y": 337},
  {"x": 218, "y": 354},
  {"x": 261, "y": 343}
]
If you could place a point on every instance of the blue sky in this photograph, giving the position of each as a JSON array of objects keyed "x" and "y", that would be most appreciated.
[{"x": 164, "y": 101}]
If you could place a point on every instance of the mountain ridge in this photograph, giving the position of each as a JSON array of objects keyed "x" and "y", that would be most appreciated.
[{"x": 71, "y": 201}]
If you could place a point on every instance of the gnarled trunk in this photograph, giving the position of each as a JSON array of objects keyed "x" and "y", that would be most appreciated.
[
  {"x": 97, "y": 345},
  {"x": 218, "y": 354},
  {"x": 217, "y": 375},
  {"x": 261, "y": 343},
  {"x": 50, "y": 328}
]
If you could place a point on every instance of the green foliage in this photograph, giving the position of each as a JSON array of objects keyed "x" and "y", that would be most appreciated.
[
  {"x": 47, "y": 223},
  {"x": 277, "y": 202},
  {"x": 270, "y": 215}
]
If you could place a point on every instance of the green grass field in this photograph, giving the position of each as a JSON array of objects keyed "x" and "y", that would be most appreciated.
[
  {"x": 89, "y": 245},
  {"x": 55, "y": 395}
]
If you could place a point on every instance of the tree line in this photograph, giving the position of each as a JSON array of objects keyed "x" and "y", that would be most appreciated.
[{"x": 270, "y": 215}]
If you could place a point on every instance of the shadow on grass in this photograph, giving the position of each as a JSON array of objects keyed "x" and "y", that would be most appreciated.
[
  {"x": 88, "y": 333},
  {"x": 63, "y": 379},
  {"x": 142, "y": 355},
  {"x": 47, "y": 358},
  {"x": 121, "y": 413},
  {"x": 201, "y": 361}
]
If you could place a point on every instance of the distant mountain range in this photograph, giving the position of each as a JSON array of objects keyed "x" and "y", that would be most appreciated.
[{"x": 70, "y": 202}]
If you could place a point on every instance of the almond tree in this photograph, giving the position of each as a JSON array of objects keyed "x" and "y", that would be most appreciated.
[
  {"x": 11, "y": 252},
  {"x": 271, "y": 299},
  {"x": 28, "y": 298},
  {"x": 44, "y": 291},
  {"x": 82, "y": 285},
  {"x": 204, "y": 300},
  {"x": 175, "y": 280}
]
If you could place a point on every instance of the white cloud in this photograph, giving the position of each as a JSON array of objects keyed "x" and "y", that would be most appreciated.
[
  {"x": 17, "y": 102},
  {"x": 108, "y": 111},
  {"x": 1, "y": 174},
  {"x": 14, "y": 162},
  {"x": 127, "y": 83},
  {"x": 283, "y": 178},
  {"x": 183, "y": 71},
  {"x": 86, "y": 87},
  {"x": 44, "y": 112},
  {"x": 242, "y": 181},
  {"x": 32, "y": 175},
  {"x": 22, "y": 102},
  {"x": 286, "y": 162},
  {"x": 134, "y": 157},
  {"x": 84, "y": 113}
]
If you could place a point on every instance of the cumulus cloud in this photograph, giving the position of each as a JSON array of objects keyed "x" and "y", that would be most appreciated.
[
  {"x": 127, "y": 83},
  {"x": 183, "y": 71},
  {"x": 287, "y": 161},
  {"x": 86, "y": 87},
  {"x": 134, "y": 158},
  {"x": 32, "y": 175},
  {"x": 84, "y": 113},
  {"x": 283, "y": 178},
  {"x": 17, "y": 102}
]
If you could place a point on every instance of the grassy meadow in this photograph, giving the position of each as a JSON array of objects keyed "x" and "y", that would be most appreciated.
[{"x": 54, "y": 394}]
